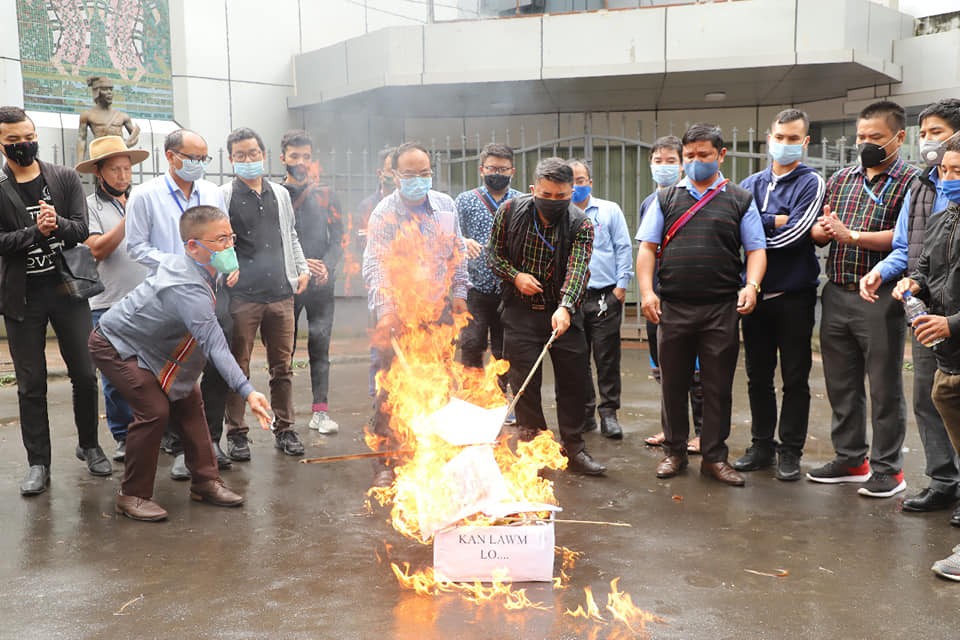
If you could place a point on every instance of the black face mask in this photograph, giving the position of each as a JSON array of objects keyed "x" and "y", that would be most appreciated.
[
  {"x": 23, "y": 153},
  {"x": 873, "y": 155},
  {"x": 496, "y": 181},
  {"x": 551, "y": 210},
  {"x": 116, "y": 193},
  {"x": 298, "y": 172}
]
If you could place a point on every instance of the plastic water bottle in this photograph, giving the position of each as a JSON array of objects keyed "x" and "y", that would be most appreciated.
[{"x": 914, "y": 308}]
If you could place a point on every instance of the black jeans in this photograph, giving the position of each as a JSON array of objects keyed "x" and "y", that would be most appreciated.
[
  {"x": 526, "y": 331},
  {"x": 686, "y": 332},
  {"x": 602, "y": 331},
  {"x": 27, "y": 341},
  {"x": 483, "y": 329},
  {"x": 319, "y": 303},
  {"x": 781, "y": 325}
]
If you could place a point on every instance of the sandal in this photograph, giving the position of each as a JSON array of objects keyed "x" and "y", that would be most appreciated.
[
  {"x": 655, "y": 441},
  {"x": 694, "y": 446}
]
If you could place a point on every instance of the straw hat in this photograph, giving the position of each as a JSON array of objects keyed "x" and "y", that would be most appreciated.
[{"x": 108, "y": 147}]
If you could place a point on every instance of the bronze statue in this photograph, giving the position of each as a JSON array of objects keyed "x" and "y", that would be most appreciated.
[{"x": 102, "y": 119}]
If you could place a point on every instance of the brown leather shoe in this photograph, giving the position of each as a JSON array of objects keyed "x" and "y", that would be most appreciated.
[
  {"x": 723, "y": 472},
  {"x": 139, "y": 508},
  {"x": 671, "y": 466},
  {"x": 216, "y": 493}
]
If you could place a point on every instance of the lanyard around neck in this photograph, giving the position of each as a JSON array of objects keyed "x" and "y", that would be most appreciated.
[
  {"x": 176, "y": 199},
  {"x": 536, "y": 227},
  {"x": 876, "y": 197}
]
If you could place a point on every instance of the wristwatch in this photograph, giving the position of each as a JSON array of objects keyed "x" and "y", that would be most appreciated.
[
  {"x": 855, "y": 237},
  {"x": 755, "y": 285}
]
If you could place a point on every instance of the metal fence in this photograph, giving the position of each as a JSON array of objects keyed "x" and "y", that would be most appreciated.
[{"x": 619, "y": 164}]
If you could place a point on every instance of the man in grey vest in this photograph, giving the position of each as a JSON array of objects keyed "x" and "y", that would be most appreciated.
[{"x": 939, "y": 123}]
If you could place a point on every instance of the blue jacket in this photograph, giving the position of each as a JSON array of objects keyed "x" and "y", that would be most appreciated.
[
  {"x": 169, "y": 324},
  {"x": 792, "y": 263}
]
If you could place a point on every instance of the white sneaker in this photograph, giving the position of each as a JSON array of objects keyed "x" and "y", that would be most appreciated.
[{"x": 322, "y": 423}]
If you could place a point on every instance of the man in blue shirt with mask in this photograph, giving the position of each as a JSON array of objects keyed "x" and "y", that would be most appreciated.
[
  {"x": 702, "y": 297},
  {"x": 939, "y": 123},
  {"x": 611, "y": 270},
  {"x": 789, "y": 195}
]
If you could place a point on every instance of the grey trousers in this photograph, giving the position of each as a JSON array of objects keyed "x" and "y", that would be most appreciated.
[
  {"x": 860, "y": 339},
  {"x": 943, "y": 466}
]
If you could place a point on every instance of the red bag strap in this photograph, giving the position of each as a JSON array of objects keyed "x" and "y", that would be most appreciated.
[{"x": 685, "y": 218}]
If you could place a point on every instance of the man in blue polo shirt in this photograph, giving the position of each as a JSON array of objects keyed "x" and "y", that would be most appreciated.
[
  {"x": 702, "y": 296},
  {"x": 611, "y": 270}
]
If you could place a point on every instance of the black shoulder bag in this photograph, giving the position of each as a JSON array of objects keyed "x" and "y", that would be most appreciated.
[{"x": 76, "y": 266}]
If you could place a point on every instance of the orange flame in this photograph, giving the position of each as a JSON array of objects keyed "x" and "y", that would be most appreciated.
[{"x": 422, "y": 380}]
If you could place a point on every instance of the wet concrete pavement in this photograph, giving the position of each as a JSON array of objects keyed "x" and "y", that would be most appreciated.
[{"x": 299, "y": 559}]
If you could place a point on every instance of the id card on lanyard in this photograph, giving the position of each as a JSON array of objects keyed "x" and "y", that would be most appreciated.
[
  {"x": 176, "y": 198},
  {"x": 876, "y": 197}
]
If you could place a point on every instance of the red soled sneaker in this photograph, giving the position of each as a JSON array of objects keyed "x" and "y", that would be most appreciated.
[
  {"x": 835, "y": 472},
  {"x": 883, "y": 485}
]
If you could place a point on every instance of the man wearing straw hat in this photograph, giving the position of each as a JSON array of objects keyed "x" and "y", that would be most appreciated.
[{"x": 111, "y": 163}]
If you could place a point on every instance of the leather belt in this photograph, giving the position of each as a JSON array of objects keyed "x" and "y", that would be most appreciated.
[{"x": 602, "y": 291}]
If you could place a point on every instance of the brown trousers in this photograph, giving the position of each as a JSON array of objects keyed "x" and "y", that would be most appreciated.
[
  {"x": 946, "y": 398},
  {"x": 276, "y": 324},
  {"x": 152, "y": 411}
]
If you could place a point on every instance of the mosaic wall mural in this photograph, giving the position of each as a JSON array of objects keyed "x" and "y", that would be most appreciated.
[{"x": 63, "y": 42}]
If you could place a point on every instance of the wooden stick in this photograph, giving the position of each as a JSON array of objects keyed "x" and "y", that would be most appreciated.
[
  {"x": 599, "y": 522},
  {"x": 533, "y": 369},
  {"x": 356, "y": 456}
]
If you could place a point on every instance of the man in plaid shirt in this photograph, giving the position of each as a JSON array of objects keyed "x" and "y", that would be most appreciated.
[
  {"x": 414, "y": 209},
  {"x": 541, "y": 246},
  {"x": 858, "y": 338}
]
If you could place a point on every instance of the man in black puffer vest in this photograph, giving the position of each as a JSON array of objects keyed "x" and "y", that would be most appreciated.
[
  {"x": 697, "y": 229},
  {"x": 541, "y": 246}
]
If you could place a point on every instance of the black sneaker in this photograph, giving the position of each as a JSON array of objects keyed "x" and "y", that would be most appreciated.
[
  {"x": 835, "y": 472},
  {"x": 289, "y": 442},
  {"x": 883, "y": 485},
  {"x": 238, "y": 447},
  {"x": 756, "y": 457},
  {"x": 788, "y": 466}
]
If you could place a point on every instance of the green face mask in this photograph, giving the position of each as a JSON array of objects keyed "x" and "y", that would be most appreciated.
[{"x": 224, "y": 261}]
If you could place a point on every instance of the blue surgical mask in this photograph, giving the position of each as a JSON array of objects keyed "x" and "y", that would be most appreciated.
[
  {"x": 700, "y": 171},
  {"x": 950, "y": 189},
  {"x": 191, "y": 171},
  {"x": 248, "y": 170},
  {"x": 785, "y": 153},
  {"x": 581, "y": 192},
  {"x": 415, "y": 188},
  {"x": 665, "y": 175}
]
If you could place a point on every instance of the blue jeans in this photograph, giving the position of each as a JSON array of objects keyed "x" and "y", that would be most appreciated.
[{"x": 118, "y": 411}]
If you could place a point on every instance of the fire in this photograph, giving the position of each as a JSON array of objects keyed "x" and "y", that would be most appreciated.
[{"x": 434, "y": 478}]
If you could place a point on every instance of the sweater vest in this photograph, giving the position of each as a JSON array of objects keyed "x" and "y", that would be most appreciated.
[
  {"x": 702, "y": 263},
  {"x": 922, "y": 196}
]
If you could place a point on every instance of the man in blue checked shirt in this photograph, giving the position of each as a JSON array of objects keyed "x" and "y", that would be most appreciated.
[
  {"x": 611, "y": 270},
  {"x": 476, "y": 209}
]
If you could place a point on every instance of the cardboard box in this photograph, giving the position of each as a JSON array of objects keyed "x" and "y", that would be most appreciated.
[{"x": 525, "y": 552}]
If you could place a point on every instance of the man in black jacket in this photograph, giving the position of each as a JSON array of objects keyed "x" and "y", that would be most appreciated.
[
  {"x": 320, "y": 230},
  {"x": 540, "y": 246},
  {"x": 936, "y": 279},
  {"x": 43, "y": 212}
]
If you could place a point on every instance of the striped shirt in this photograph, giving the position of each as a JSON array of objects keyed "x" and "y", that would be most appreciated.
[
  {"x": 864, "y": 205},
  {"x": 538, "y": 249}
]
